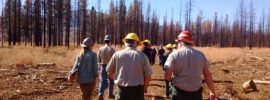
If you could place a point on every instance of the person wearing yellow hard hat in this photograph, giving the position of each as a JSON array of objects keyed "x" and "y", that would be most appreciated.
[
  {"x": 174, "y": 47},
  {"x": 132, "y": 37},
  {"x": 146, "y": 49},
  {"x": 147, "y": 42},
  {"x": 169, "y": 47},
  {"x": 130, "y": 70}
]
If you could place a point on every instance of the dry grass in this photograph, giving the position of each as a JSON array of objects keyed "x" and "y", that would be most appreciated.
[
  {"x": 65, "y": 57},
  {"x": 32, "y": 55},
  {"x": 230, "y": 68},
  {"x": 222, "y": 54}
]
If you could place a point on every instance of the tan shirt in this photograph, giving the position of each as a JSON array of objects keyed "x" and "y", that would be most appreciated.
[
  {"x": 105, "y": 53},
  {"x": 187, "y": 65},
  {"x": 130, "y": 67}
]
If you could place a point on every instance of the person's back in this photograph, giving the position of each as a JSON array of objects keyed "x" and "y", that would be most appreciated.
[
  {"x": 87, "y": 67},
  {"x": 153, "y": 55},
  {"x": 165, "y": 56},
  {"x": 105, "y": 54},
  {"x": 161, "y": 52},
  {"x": 190, "y": 64},
  {"x": 130, "y": 66},
  {"x": 147, "y": 52},
  {"x": 130, "y": 70}
]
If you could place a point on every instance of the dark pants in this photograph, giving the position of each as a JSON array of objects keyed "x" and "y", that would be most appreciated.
[
  {"x": 87, "y": 90},
  {"x": 178, "y": 94},
  {"x": 130, "y": 93},
  {"x": 160, "y": 60},
  {"x": 104, "y": 81},
  {"x": 167, "y": 88},
  {"x": 167, "y": 85}
]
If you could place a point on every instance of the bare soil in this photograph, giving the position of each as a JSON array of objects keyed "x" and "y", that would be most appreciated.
[{"x": 48, "y": 82}]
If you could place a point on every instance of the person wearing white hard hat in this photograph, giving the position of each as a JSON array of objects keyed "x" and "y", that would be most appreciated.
[{"x": 86, "y": 69}]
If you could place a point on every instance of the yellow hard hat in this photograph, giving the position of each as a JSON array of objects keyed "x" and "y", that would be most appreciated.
[
  {"x": 174, "y": 46},
  {"x": 147, "y": 41},
  {"x": 131, "y": 36},
  {"x": 169, "y": 46}
]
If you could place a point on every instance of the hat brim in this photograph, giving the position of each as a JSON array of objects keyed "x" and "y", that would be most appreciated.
[
  {"x": 142, "y": 43},
  {"x": 187, "y": 41},
  {"x": 138, "y": 42},
  {"x": 82, "y": 45}
]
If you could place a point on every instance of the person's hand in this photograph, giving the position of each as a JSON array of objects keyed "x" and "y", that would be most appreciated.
[
  {"x": 145, "y": 88},
  {"x": 213, "y": 96}
]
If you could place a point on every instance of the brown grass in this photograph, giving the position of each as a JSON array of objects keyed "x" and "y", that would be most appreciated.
[{"x": 65, "y": 57}]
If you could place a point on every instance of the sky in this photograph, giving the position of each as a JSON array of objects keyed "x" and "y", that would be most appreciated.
[
  {"x": 172, "y": 7},
  {"x": 209, "y": 7}
]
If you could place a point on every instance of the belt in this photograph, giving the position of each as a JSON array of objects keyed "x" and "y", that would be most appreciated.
[
  {"x": 104, "y": 65},
  {"x": 191, "y": 92},
  {"x": 138, "y": 86}
]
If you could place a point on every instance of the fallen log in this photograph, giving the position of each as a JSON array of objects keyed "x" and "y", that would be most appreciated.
[
  {"x": 261, "y": 82},
  {"x": 46, "y": 64},
  {"x": 60, "y": 79},
  {"x": 256, "y": 58},
  {"x": 250, "y": 85},
  {"x": 6, "y": 70}
]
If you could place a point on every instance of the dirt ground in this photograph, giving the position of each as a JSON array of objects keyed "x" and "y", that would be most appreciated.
[{"x": 47, "y": 81}]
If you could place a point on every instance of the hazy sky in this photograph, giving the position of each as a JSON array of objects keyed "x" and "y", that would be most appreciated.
[
  {"x": 172, "y": 7},
  {"x": 209, "y": 7}
]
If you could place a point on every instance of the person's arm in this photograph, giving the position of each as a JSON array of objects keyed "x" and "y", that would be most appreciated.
[
  {"x": 99, "y": 56},
  {"x": 146, "y": 83},
  {"x": 147, "y": 73},
  {"x": 209, "y": 80},
  {"x": 111, "y": 67},
  {"x": 210, "y": 83},
  {"x": 74, "y": 68},
  {"x": 76, "y": 63},
  {"x": 95, "y": 66},
  {"x": 168, "y": 74},
  {"x": 169, "y": 67}
]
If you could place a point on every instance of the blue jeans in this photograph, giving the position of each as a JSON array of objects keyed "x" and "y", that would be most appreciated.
[{"x": 104, "y": 81}]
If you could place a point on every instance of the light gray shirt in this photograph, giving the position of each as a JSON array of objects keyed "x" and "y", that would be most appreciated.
[
  {"x": 105, "y": 53},
  {"x": 187, "y": 65},
  {"x": 87, "y": 67},
  {"x": 130, "y": 67}
]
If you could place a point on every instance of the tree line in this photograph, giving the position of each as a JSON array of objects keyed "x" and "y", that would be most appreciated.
[{"x": 49, "y": 23}]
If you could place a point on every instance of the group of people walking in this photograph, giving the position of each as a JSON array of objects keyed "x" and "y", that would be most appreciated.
[{"x": 130, "y": 69}]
